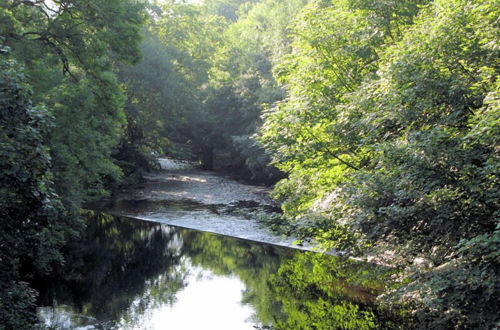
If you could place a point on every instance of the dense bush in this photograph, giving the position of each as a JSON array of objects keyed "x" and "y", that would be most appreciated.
[
  {"x": 462, "y": 293},
  {"x": 61, "y": 116},
  {"x": 32, "y": 229},
  {"x": 392, "y": 129}
]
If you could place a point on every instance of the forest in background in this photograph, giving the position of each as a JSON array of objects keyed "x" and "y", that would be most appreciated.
[{"x": 378, "y": 119}]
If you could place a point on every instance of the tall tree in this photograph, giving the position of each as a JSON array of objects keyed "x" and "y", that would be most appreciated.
[
  {"x": 391, "y": 129},
  {"x": 68, "y": 48},
  {"x": 65, "y": 51},
  {"x": 336, "y": 46},
  {"x": 32, "y": 228}
]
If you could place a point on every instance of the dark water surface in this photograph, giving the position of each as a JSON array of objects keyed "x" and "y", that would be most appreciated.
[{"x": 132, "y": 274}]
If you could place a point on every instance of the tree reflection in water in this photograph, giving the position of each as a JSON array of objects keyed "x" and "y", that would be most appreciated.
[
  {"x": 125, "y": 270},
  {"x": 119, "y": 270}
]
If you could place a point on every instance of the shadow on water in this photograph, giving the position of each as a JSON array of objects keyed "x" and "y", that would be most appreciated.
[
  {"x": 113, "y": 265},
  {"x": 124, "y": 273},
  {"x": 145, "y": 206},
  {"x": 168, "y": 207}
]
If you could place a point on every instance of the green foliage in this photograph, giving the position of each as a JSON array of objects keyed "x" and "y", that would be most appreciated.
[
  {"x": 320, "y": 230},
  {"x": 430, "y": 178},
  {"x": 58, "y": 152},
  {"x": 228, "y": 9},
  {"x": 216, "y": 56},
  {"x": 462, "y": 293},
  {"x": 193, "y": 37},
  {"x": 391, "y": 130},
  {"x": 17, "y": 305},
  {"x": 82, "y": 157},
  {"x": 336, "y": 46},
  {"x": 84, "y": 40},
  {"x": 383, "y": 114},
  {"x": 186, "y": 38},
  {"x": 159, "y": 103},
  {"x": 242, "y": 81},
  {"x": 318, "y": 292},
  {"x": 79, "y": 33},
  {"x": 32, "y": 230}
]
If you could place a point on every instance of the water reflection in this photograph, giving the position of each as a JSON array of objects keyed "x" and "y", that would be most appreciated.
[{"x": 131, "y": 274}]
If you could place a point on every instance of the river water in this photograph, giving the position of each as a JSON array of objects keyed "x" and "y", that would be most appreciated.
[
  {"x": 182, "y": 195},
  {"x": 175, "y": 253}
]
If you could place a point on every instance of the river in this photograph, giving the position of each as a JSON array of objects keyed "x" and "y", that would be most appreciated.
[
  {"x": 185, "y": 196},
  {"x": 178, "y": 252}
]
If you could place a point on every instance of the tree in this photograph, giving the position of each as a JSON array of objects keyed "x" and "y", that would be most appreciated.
[
  {"x": 57, "y": 154},
  {"x": 159, "y": 102},
  {"x": 242, "y": 81},
  {"x": 336, "y": 46},
  {"x": 68, "y": 49},
  {"x": 391, "y": 129},
  {"x": 32, "y": 229}
]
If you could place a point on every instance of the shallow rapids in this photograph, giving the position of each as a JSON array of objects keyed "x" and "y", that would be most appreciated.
[{"x": 181, "y": 195}]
